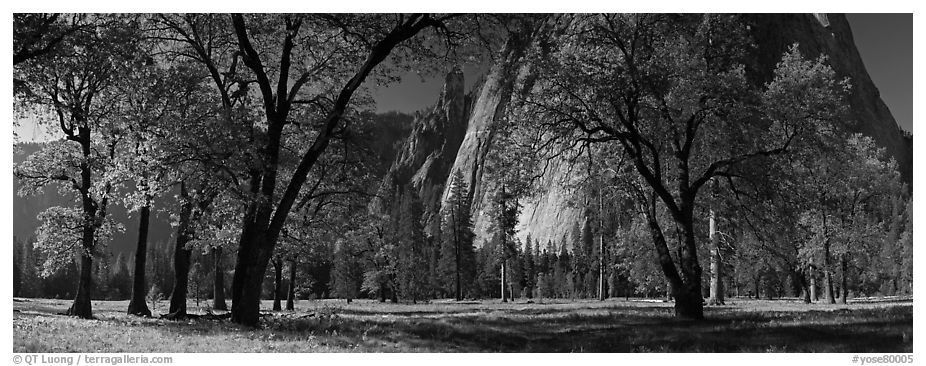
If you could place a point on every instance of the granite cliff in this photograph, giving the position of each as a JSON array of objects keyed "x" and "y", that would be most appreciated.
[{"x": 459, "y": 135}]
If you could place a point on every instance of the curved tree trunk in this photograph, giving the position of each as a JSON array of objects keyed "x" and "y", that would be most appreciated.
[
  {"x": 685, "y": 287},
  {"x": 277, "y": 285},
  {"x": 218, "y": 296},
  {"x": 138, "y": 306},
  {"x": 291, "y": 293}
]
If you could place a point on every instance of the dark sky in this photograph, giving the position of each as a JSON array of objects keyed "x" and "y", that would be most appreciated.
[{"x": 885, "y": 42}]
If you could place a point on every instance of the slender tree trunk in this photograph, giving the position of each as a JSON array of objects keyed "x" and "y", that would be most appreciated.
[
  {"x": 601, "y": 281},
  {"x": 138, "y": 306},
  {"x": 291, "y": 293},
  {"x": 755, "y": 283},
  {"x": 844, "y": 267},
  {"x": 218, "y": 296},
  {"x": 814, "y": 296},
  {"x": 828, "y": 274},
  {"x": 716, "y": 291},
  {"x": 277, "y": 285},
  {"x": 456, "y": 253},
  {"x": 178, "y": 296},
  {"x": 504, "y": 297}
]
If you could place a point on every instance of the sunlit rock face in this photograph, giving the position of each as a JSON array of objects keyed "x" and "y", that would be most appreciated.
[
  {"x": 510, "y": 74},
  {"x": 423, "y": 162},
  {"x": 431, "y": 155}
]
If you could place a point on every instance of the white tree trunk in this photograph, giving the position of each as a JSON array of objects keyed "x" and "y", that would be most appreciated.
[{"x": 716, "y": 264}]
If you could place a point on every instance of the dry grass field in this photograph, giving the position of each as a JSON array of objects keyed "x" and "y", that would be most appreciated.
[{"x": 488, "y": 326}]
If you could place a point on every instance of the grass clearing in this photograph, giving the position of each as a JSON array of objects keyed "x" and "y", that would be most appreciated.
[{"x": 489, "y": 326}]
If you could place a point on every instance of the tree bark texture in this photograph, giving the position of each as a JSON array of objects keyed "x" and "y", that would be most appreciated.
[
  {"x": 182, "y": 254},
  {"x": 291, "y": 293},
  {"x": 138, "y": 305},
  {"x": 218, "y": 272}
]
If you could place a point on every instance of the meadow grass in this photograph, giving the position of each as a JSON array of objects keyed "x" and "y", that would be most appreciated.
[{"x": 616, "y": 325}]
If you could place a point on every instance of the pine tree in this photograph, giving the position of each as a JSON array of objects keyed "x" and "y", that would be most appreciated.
[
  {"x": 589, "y": 267},
  {"x": 530, "y": 274},
  {"x": 412, "y": 257},
  {"x": 562, "y": 273},
  {"x": 458, "y": 258},
  {"x": 30, "y": 284},
  {"x": 579, "y": 262}
]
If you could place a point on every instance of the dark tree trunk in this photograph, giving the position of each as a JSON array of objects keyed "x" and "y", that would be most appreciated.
[
  {"x": 458, "y": 288},
  {"x": 250, "y": 267},
  {"x": 755, "y": 285},
  {"x": 805, "y": 287},
  {"x": 844, "y": 267},
  {"x": 178, "y": 295},
  {"x": 277, "y": 285},
  {"x": 814, "y": 296},
  {"x": 689, "y": 303},
  {"x": 218, "y": 297},
  {"x": 138, "y": 306},
  {"x": 81, "y": 306},
  {"x": 291, "y": 293},
  {"x": 686, "y": 288}
]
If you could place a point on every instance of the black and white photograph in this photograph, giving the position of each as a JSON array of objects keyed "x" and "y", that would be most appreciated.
[{"x": 463, "y": 182}]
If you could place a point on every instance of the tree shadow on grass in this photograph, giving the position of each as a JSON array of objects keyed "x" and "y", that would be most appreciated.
[{"x": 578, "y": 329}]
